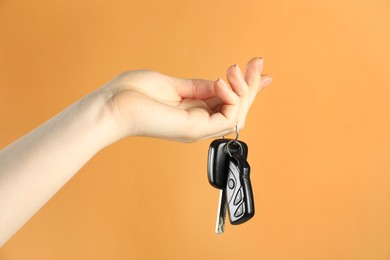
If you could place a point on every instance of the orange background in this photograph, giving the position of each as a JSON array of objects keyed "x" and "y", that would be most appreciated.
[{"x": 318, "y": 137}]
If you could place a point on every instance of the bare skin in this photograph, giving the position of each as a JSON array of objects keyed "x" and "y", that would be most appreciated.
[{"x": 135, "y": 103}]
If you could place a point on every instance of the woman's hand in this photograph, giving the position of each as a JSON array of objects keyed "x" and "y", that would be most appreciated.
[
  {"x": 37, "y": 165},
  {"x": 148, "y": 103}
]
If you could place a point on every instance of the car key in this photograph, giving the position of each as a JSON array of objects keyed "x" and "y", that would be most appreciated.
[
  {"x": 239, "y": 196},
  {"x": 218, "y": 163}
]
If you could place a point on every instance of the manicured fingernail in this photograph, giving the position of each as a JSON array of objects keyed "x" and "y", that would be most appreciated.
[
  {"x": 261, "y": 64},
  {"x": 266, "y": 82},
  {"x": 223, "y": 83},
  {"x": 239, "y": 70}
]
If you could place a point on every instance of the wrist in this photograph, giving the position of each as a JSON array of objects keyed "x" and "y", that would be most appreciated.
[{"x": 106, "y": 129}]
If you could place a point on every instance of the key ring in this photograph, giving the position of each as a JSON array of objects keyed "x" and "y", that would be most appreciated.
[
  {"x": 237, "y": 131},
  {"x": 234, "y": 141}
]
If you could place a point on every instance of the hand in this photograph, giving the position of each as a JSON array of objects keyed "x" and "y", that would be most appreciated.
[
  {"x": 148, "y": 103},
  {"x": 143, "y": 103}
]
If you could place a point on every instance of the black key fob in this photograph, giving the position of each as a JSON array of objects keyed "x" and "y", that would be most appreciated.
[
  {"x": 239, "y": 194},
  {"x": 218, "y": 160}
]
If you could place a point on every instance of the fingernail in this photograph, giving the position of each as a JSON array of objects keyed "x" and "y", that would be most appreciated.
[
  {"x": 223, "y": 83},
  {"x": 267, "y": 82},
  {"x": 238, "y": 69},
  {"x": 261, "y": 64}
]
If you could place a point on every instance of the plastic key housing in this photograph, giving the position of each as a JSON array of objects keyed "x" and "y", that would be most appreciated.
[
  {"x": 218, "y": 160},
  {"x": 239, "y": 194}
]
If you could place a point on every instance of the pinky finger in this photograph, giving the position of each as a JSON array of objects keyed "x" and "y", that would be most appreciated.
[{"x": 265, "y": 81}]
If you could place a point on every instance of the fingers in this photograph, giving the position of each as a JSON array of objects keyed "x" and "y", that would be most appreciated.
[
  {"x": 240, "y": 87},
  {"x": 253, "y": 72},
  {"x": 236, "y": 80},
  {"x": 265, "y": 81},
  {"x": 228, "y": 102},
  {"x": 229, "y": 99},
  {"x": 193, "y": 88},
  {"x": 247, "y": 87},
  {"x": 224, "y": 92}
]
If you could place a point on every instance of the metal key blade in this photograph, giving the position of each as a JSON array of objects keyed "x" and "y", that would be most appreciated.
[{"x": 221, "y": 217}]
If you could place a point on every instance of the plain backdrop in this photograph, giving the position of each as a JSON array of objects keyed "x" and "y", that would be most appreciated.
[{"x": 318, "y": 136}]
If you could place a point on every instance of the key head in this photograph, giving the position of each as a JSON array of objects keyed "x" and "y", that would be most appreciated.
[
  {"x": 239, "y": 194},
  {"x": 218, "y": 160}
]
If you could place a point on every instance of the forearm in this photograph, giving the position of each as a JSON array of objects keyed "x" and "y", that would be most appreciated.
[{"x": 35, "y": 167}]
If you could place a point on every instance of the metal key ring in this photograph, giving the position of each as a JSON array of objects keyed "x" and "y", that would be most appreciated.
[
  {"x": 237, "y": 131},
  {"x": 235, "y": 142}
]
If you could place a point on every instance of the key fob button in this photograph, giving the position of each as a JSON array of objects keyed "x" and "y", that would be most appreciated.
[
  {"x": 231, "y": 184},
  {"x": 238, "y": 197},
  {"x": 239, "y": 210}
]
